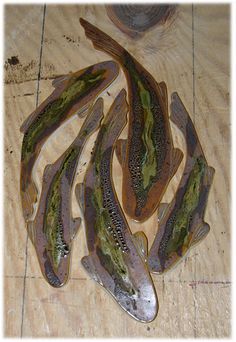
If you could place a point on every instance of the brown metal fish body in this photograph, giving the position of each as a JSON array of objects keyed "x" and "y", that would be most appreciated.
[
  {"x": 53, "y": 228},
  {"x": 116, "y": 257},
  {"x": 181, "y": 223},
  {"x": 149, "y": 159},
  {"x": 74, "y": 94}
]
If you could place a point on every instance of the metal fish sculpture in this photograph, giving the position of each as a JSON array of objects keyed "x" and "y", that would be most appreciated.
[
  {"x": 73, "y": 94},
  {"x": 149, "y": 159},
  {"x": 116, "y": 257},
  {"x": 53, "y": 229},
  {"x": 181, "y": 223}
]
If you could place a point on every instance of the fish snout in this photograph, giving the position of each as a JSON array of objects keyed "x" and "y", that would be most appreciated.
[{"x": 141, "y": 306}]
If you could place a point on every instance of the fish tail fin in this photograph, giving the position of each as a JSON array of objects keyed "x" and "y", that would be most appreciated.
[
  {"x": 179, "y": 114},
  {"x": 102, "y": 41},
  {"x": 180, "y": 117},
  {"x": 94, "y": 118}
]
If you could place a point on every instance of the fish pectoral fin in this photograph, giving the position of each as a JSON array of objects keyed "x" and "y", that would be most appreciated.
[
  {"x": 200, "y": 233},
  {"x": 141, "y": 243},
  {"x": 161, "y": 211},
  {"x": 79, "y": 194},
  {"x": 120, "y": 149},
  {"x": 89, "y": 265},
  {"x": 75, "y": 224},
  {"x": 177, "y": 158}
]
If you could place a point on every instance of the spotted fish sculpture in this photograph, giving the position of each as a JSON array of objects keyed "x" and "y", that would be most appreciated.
[
  {"x": 74, "y": 93},
  {"x": 53, "y": 228},
  {"x": 116, "y": 257},
  {"x": 148, "y": 157},
  {"x": 181, "y": 222}
]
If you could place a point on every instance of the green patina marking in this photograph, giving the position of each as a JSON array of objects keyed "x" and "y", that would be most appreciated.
[
  {"x": 149, "y": 159},
  {"x": 57, "y": 109},
  {"x": 52, "y": 224},
  {"x": 190, "y": 201},
  {"x": 149, "y": 165},
  {"x": 112, "y": 255}
]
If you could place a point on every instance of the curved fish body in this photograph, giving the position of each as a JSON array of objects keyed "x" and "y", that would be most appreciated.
[
  {"x": 53, "y": 229},
  {"x": 181, "y": 223},
  {"x": 74, "y": 94},
  {"x": 148, "y": 157},
  {"x": 116, "y": 257}
]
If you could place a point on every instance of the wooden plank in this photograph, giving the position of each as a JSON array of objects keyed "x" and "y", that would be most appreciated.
[
  {"x": 22, "y": 30},
  {"x": 13, "y": 288},
  {"x": 212, "y": 120},
  {"x": 22, "y": 46},
  {"x": 191, "y": 56},
  {"x": 88, "y": 311},
  {"x": 213, "y": 318}
]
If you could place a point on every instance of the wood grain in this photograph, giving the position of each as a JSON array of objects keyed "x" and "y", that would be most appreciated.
[{"x": 192, "y": 56}]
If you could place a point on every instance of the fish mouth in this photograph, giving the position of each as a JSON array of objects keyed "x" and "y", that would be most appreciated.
[
  {"x": 56, "y": 278},
  {"x": 143, "y": 308},
  {"x": 154, "y": 265}
]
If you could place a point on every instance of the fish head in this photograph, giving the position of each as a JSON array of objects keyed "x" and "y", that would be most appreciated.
[
  {"x": 141, "y": 304},
  {"x": 134, "y": 291},
  {"x": 54, "y": 265}
]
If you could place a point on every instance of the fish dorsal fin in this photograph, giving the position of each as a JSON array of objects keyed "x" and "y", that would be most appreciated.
[
  {"x": 176, "y": 160},
  {"x": 121, "y": 150},
  {"x": 75, "y": 224},
  {"x": 200, "y": 233},
  {"x": 141, "y": 243},
  {"x": 60, "y": 79},
  {"x": 79, "y": 193},
  {"x": 161, "y": 211},
  {"x": 88, "y": 264}
]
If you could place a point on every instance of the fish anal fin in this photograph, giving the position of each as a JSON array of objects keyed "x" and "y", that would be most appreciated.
[
  {"x": 177, "y": 158},
  {"x": 209, "y": 176},
  {"x": 47, "y": 171},
  {"x": 200, "y": 233},
  {"x": 161, "y": 211},
  {"x": 141, "y": 243},
  {"x": 79, "y": 194},
  {"x": 88, "y": 264},
  {"x": 75, "y": 224},
  {"x": 120, "y": 149}
]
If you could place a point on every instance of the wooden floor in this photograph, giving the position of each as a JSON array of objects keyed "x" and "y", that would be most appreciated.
[{"x": 191, "y": 54}]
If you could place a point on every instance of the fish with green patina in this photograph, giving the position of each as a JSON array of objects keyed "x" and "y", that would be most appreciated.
[
  {"x": 148, "y": 157},
  {"x": 53, "y": 228},
  {"x": 181, "y": 222},
  {"x": 74, "y": 94},
  {"x": 116, "y": 258}
]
